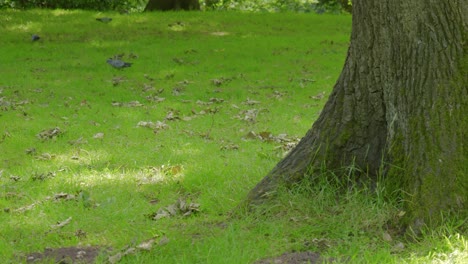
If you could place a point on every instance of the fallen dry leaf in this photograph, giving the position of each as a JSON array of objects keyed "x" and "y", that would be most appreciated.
[
  {"x": 99, "y": 135},
  {"x": 79, "y": 141},
  {"x": 49, "y": 133},
  {"x": 181, "y": 207},
  {"x": 146, "y": 245},
  {"x": 64, "y": 196},
  {"x": 143, "y": 246},
  {"x": 127, "y": 104},
  {"x": 250, "y": 102},
  {"x": 155, "y": 126},
  {"x": 319, "y": 96},
  {"x": 62, "y": 224}
]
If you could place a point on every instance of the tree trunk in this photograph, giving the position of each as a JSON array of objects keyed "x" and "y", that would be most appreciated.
[
  {"x": 398, "y": 109},
  {"x": 166, "y": 5}
]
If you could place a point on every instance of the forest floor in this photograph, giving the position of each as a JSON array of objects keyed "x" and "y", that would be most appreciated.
[{"x": 146, "y": 164}]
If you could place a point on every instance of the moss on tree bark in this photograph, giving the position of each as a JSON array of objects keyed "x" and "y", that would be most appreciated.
[{"x": 398, "y": 109}]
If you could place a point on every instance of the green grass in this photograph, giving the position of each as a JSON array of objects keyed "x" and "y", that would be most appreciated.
[{"x": 205, "y": 156}]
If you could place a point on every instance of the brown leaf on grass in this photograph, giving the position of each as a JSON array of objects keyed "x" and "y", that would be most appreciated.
[
  {"x": 163, "y": 241},
  {"x": 146, "y": 245},
  {"x": 133, "y": 104},
  {"x": 387, "y": 237},
  {"x": 132, "y": 55},
  {"x": 265, "y": 135},
  {"x": 181, "y": 207},
  {"x": 45, "y": 156},
  {"x": 80, "y": 234},
  {"x": 158, "y": 126},
  {"x": 143, "y": 246},
  {"x": 57, "y": 196},
  {"x": 62, "y": 223},
  {"x": 219, "y": 33},
  {"x": 79, "y": 141},
  {"x": 128, "y": 104},
  {"x": 158, "y": 174},
  {"x": 26, "y": 208},
  {"x": 117, "y": 80},
  {"x": 30, "y": 151},
  {"x": 115, "y": 258},
  {"x": 99, "y": 135},
  {"x": 177, "y": 26},
  {"x": 48, "y": 134},
  {"x": 155, "y": 98},
  {"x": 230, "y": 146},
  {"x": 248, "y": 115},
  {"x": 172, "y": 115},
  {"x": 278, "y": 95},
  {"x": 147, "y": 87},
  {"x": 216, "y": 100},
  {"x": 250, "y": 102},
  {"x": 64, "y": 196},
  {"x": 15, "y": 178},
  {"x": 149, "y": 78},
  {"x": 287, "y": 142},
  {"x": 179, "y": 61},
  {"x": 42, "y": 176},
  {"x": 220, "y": 81},
  {"x": 199, "y": 102},
  {"x": 318, "y": 96}
]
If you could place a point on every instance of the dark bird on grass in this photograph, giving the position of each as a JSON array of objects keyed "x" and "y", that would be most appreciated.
[
  {"x": 118, "y": 64},
  {"x": 104, "y": 19},
  {"x": 35, "y": 37}
]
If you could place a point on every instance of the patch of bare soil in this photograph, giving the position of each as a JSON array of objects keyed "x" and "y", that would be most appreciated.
[
  {"x": 295, "y": 258},
  {"x": 66, "y": 255}
]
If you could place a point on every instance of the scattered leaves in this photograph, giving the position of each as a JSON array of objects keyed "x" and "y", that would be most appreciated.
[
  {"x": 64, "y": 196},
  {"x": 99, "y": 135},
  {"x": 42, "y": 176},
  {"x": 128, "y": 104},
  {"x": 79, "y": 141},
  {"x": 219, "y": 33},
  {"x": 248, "y": 115},
  {"x": 177, "y": 26},
  {"x": 30, "y": 151},
  {"x": 61, "y": 224},
  {"x": 158, "y": 126},
  {"x": 172, "y": 115},
  {"x": 318, "y": 96},
  {"x": 220, "y": 81},
  {"x": 230, "y": 146},
  {"x": 287, "y": 142},
  {"x": 155, "y": 98},
  {"x": 143, "y": 246},
  {"x": 48, "y": 134},
  {"x": 181, "y": 207},
  {"x": 250, "y": 102},
  {"x": 278, "y": 95},
  {"x": 117, "y": 80},
  {"x": 161, "y": 173}
]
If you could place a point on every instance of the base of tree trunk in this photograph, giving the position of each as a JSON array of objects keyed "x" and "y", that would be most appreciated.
[{"x": 166, "y": 5}]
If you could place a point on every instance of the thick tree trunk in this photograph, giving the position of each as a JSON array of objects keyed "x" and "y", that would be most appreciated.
[
  {"x": 166, "y": 5},
  {"x": 398, "y": 110}
]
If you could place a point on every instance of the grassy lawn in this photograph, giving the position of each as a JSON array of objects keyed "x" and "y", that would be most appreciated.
[{"x": 158, "y": 155}]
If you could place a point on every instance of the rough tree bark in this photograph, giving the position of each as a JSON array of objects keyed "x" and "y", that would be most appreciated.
[
  {"x": 166, "y": 5},
  {"x": 398, "y": 110}
]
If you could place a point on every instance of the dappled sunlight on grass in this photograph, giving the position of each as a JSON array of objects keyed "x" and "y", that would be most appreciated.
[
  {"x": 62, "y": 12},
  {"x": 451, "y": 249},
  {"x": 27, "y": 27},
  {"x": 82, "y": 157},
  {"x": 151, "y": 175}
]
